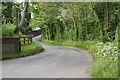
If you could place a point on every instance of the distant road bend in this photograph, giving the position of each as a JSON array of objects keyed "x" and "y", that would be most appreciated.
[{"x": 54, "y": 62}]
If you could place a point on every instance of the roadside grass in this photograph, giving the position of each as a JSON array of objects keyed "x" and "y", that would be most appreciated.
[
  {"x": 26, "y": 50},
  {"x": 104, "y": 66}
]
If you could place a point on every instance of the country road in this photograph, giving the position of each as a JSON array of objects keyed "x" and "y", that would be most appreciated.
[{"x": 53, "y": 62}]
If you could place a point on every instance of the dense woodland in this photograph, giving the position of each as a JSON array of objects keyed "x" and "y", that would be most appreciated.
[
  {"x": 78, "y": 21},
  {"x": 66, "y": 21},
  {"x": 96, "y": 24}
]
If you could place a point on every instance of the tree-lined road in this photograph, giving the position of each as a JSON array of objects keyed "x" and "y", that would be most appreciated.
[{"x": 54, "y": 62}]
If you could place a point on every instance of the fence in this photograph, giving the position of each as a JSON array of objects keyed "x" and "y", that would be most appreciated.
[
  {"x": 25, "y": 40},
  {"x": 13, "y": 44}
]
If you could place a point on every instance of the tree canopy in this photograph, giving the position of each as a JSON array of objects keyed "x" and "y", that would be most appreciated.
[
  {"x": 77, "y": 21},
  {"x": 64, "y": 20}
]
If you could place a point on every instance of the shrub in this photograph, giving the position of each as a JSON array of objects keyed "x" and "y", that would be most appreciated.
[
  {"x": 107, "y": 50},
  {"x": 8, "y": 29},
  {"x": 18, "y": 35}
]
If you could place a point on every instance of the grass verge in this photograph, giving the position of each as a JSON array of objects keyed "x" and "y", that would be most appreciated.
[
  {"x": 103, "y": 66},
  {"x": 26, "y": 50}
]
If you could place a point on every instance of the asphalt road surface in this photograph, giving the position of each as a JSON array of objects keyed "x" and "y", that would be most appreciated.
[{"x": 54, "y": 62}]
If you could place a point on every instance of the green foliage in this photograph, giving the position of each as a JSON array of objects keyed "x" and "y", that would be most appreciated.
[
  {"x": 20, "y": 34},
  {"x": 27, "y": 50},
  {"x": 16, "y": 13},
  {"x": 107, "y": 50},
  {"x": 117, "y": 34},
  {"x": 113, "y": 16},
  {"x": 75, "y": 21},
  {"x": 12, "y": 14},
  {"x": 8, "y": 29},
  {"x": 7, "y": 12},
  {"x": 1, "y": 8},
  {"x": 105, "y": 68}
]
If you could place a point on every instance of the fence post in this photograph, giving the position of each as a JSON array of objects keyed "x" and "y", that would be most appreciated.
[
  {"x": 19, "y": 45},
  {"x": 24, "y": 40},
  {"x": 28, "y": 40},
  {"x": 31, "y": 39}
]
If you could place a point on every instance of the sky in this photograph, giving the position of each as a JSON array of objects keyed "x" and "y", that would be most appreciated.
[{"x": 19, "y": 0}]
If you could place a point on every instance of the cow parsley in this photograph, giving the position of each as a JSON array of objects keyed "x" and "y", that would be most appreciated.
[{"x": 107, "y": 50}]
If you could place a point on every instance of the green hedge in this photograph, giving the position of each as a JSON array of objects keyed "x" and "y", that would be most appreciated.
[{"x": 8, "y": 29}]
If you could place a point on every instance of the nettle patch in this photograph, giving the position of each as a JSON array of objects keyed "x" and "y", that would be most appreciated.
[{"x": 107, "y": 50}]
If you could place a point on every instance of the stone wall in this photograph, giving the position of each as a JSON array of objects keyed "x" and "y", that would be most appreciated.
[{"x": 10, "y": 44}]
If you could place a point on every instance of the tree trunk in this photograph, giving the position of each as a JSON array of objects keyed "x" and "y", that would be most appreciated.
[
  {"x": 107, "y": 17},
  {"x": 22, "y": 21}
]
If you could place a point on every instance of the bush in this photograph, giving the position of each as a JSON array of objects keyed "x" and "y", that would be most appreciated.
[
  {"x": 107, "y": 50},
  {"x": 19, "y": 35},
  {"x": 8, "y": 30}
]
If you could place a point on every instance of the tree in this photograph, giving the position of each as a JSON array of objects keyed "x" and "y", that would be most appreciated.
[
  {"x": 7, "y": 12},
  {"x": 25, "y": 17},
  {"x": 16, "y": 14},
  {"x": 76, "y": 21}
]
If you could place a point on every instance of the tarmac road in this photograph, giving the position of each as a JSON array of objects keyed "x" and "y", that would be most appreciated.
[{"x": 53, "y": 62}]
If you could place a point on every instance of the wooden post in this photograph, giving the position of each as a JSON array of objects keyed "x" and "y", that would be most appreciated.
[
  {"x": 107, "y": 17},
  {"x": 31, "y": 39},
  {"x": 24, "y": 40},
  {"x": 28, "y": 40},
  {"x": 19, "y": 45}
]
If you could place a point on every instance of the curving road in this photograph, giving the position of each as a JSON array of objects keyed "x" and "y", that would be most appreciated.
[{"x": 54, "y": 62}]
